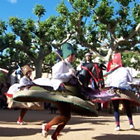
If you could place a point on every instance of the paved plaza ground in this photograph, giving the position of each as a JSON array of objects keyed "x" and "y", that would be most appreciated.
[{"x": 78, "y": 128}]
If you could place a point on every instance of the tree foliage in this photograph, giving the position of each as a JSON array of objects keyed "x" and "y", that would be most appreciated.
[
  {"x": 96, "y": 25},
  {"x": 35, "y": 39},
  {"x": 104, "y": 26}
]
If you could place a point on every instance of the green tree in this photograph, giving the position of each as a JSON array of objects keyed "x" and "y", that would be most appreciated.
[
  {"x": 96, "y": 25},
  {"x": 10, "y": 58},
  {"x": 103, "y": 26},
  {"x": 34, "y": 39},
  {"x": 131, "y": 59}
]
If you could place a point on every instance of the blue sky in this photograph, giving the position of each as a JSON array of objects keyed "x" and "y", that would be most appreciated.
[{"x": 24, "y": 8}]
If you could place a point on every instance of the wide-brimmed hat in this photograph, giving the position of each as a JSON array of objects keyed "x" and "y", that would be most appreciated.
[
  {"x": 26, "y": 69},
  {"x": 67, "y": 49}
]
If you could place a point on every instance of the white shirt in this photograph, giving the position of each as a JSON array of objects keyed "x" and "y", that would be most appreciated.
[
  {"x": 25, "y": 81},
  {"x": 61, "y": 71},
  {"x": 119, "y": 78}
]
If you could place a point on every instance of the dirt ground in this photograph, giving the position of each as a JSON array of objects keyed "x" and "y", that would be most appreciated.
[{"x": 78, "y": 128}]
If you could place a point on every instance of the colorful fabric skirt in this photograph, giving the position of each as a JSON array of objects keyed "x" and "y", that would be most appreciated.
[
  {"x": 66, "y": 93},
  {"x": 119, "y": 94},
  {"x": 15, "y": 104}
]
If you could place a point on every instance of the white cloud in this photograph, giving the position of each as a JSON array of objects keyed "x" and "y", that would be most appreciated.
[{"x": 12, "y": 1}]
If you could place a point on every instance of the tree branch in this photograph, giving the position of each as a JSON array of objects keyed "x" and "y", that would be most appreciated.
[{"x": 134, "y": 32}]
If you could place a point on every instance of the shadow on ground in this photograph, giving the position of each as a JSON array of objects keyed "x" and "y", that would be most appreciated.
[
  {"x": 117, "y": 137},
  {"x": 38, "y": 117},
  {"x": 12, "y": 132}
]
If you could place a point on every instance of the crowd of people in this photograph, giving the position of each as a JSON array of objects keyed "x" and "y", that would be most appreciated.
[{"x": 63, "y": 70}]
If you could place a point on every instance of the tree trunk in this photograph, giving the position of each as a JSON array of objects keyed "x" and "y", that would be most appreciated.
[
  {"x": 38, "y": 68},
  {"x": 108, "y": 57},
  {"x": 112, "y": 49}
]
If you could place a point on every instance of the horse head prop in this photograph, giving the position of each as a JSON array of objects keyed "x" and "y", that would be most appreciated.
[{"x": 92, "y": 71}]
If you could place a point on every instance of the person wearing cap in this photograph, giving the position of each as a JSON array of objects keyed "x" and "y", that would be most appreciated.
[
  {"x": 24, "y": 81},
  {"x": 119, "y": 78},
  {"x": 63, "y": 70},
  {"x": 88, "y": 57}
]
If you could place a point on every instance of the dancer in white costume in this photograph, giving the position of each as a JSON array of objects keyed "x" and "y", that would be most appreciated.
[
  {"x": 24, "y": 81},
  {"x": 119, "y": 78}
]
